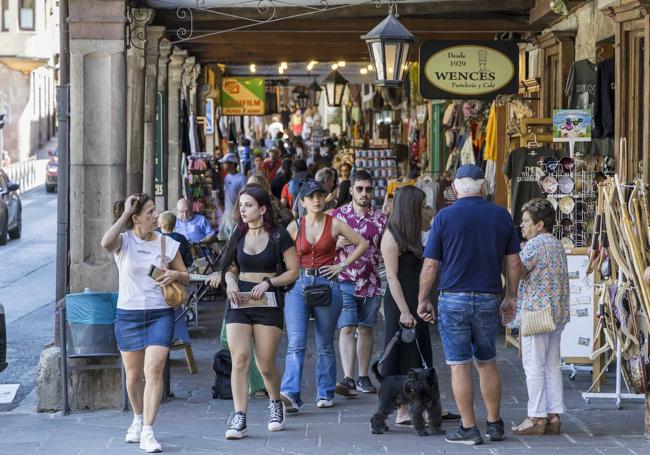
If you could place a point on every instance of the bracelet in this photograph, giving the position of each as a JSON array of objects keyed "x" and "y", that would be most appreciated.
[{"x": 267, "y": 280}]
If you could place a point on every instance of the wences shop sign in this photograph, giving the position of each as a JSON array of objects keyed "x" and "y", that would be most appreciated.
[{"x": 471, "y": 70}]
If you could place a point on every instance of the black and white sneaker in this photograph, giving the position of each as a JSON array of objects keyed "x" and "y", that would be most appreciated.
[
  {"x": 276, "y": 417},
  {"x": 347, "y": 388},
  {"x": 238, "y": 427},
  {"x": 467, "y": 436},
  {"x": 365, "y": 385},
  {"x": 495, "y": 431}
]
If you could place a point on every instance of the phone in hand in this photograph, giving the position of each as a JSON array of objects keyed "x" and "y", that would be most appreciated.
[{"x": 155, "y": 272}]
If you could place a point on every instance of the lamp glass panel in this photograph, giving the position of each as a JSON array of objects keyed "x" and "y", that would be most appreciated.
[
  {"x": 392, "y": 60},
  {"x": 378, "y": 58}
]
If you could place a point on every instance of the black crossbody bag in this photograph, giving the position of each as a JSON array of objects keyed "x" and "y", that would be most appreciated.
[{"x": 315, "y": 294}]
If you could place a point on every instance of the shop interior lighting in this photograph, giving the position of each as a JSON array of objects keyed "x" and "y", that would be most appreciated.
[
  {"x": 341, "y": 64},
  {"x": 284, "y": 65},
  {"x": 311, "y": 65},
  {"x": 335, "y": 66},
  {"x": 388, "y": 45},
  {"x": 253, "y": 68},
  {"x": 363, "y": 70}
]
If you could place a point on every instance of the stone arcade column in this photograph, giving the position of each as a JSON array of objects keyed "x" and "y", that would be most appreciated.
[
  {"x": 135, "y": 77},
  {"x": 154, "y": 33},
  {"x": 97, "y": 164},
  {"x": 165, "y": 49},
  {"x": 97, "y": 137},
  {"x": 178, "y": 57}
]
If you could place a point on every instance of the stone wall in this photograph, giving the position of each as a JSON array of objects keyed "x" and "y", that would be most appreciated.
[
  {"x": 591, "y": 25},
  {"x": 15, "y": 86}
]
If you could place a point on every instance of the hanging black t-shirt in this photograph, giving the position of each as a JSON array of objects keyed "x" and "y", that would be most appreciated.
[
  {"x": 524, "y": 167},
  {"x": 264, "y": 262},
  {"x": 604, "y": 102},
  {"x": 580, "y": 91}
]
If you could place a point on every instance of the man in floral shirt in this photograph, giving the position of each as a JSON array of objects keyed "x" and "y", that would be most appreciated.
[{"x": 360, "y": 285}]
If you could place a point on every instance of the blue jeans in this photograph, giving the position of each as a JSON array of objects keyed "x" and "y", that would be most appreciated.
[
  {"x": 357, "y": 310},
  {"x": 296, "y": 315},
  {"x": 468, "y": 325}
]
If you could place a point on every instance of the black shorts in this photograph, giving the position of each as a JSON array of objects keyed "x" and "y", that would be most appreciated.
[{"x": 251, "y": 316}]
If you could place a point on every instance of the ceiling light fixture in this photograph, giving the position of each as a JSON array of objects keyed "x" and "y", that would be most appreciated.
[{"x": 253, "y": 68}]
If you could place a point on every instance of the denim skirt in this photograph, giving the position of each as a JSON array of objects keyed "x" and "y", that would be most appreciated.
[{"x": 137, "y": 329}]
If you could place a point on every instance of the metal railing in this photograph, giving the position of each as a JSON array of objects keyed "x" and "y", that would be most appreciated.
[{"x": 28, "y": 174}]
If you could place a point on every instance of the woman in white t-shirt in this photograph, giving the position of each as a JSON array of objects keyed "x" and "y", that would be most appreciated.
[{"x": 144, "y": 325}]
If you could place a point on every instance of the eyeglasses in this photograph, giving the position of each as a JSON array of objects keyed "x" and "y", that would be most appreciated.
[{"x": 363, "y": 189}]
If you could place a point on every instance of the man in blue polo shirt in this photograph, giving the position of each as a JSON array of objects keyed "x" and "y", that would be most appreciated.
[
  {"x": 194, "y": 226},
  {"x": 467, "y": 244}
]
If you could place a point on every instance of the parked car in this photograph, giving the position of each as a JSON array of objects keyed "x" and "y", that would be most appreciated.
[
  {"x": 3, "y": 339},
  {"x": 52, "y": 172},
  {"x": 10, "y": 209}
]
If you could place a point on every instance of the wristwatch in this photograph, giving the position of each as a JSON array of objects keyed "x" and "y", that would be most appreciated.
[{"x": 267, "y": 280}]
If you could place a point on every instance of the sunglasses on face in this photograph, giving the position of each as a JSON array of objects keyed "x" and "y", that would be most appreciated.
[{"x": 363, "y": 189}]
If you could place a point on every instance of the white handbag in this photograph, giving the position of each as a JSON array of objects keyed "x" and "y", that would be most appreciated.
[{"x": 537, "y": 322}]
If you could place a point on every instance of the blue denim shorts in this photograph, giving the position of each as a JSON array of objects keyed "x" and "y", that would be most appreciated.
[
  {"x": 137, "y": 329},
  {"x": 357, "y": 310},
  {"x": 468, "y": 325}
]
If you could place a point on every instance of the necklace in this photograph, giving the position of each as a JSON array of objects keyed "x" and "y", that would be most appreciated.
[{"x": 255, "y": 228}]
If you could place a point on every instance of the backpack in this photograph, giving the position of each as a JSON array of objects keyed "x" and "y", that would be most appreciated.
[{"x": 222, "y": 366}]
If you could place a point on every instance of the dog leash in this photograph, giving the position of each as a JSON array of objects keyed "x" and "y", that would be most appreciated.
[{"x": 396, "y": 339}]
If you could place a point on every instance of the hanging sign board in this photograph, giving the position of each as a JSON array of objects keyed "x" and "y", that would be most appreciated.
[
  {"x": 469, "y": 69},
  {"x": 242, "y": 96},
  {"x": 572, "y": 125},
  {"x": 209, "y": 116}
]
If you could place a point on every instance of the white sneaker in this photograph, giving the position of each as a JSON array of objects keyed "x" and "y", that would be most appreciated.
[
  {"x": 325, "y": 403},
  {"x": 237, "y": 428},
  {"x": 276, "y": 417},
  {"x": 148, "y": 443},
  {"x": 133, "y": 433}
]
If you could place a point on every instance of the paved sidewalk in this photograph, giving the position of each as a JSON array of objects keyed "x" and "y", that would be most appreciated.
[{"x": 194, "y": 423}]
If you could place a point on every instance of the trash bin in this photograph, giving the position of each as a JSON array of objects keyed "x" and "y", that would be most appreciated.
[{"x": 3, "y": 339}]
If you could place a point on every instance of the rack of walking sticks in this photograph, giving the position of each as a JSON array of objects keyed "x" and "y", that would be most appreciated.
[{"x": 619, "y": 254}]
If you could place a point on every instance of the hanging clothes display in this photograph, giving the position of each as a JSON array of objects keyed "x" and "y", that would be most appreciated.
[
  {"x": 524, "y": 171},
  {"x": 604, "y": 100},
  {"x": 580, "y": 90}
]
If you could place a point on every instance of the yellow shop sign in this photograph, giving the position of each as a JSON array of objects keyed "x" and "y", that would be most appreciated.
[{"x": 469, "y": 70}]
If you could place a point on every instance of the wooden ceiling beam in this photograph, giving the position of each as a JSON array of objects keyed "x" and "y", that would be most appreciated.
[
  {"x": 364, "y": 10},
  {"x": 358, "y": 25}
]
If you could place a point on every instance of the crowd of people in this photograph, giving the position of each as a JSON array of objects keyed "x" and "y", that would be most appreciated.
[{"x": 304, "y": 242}]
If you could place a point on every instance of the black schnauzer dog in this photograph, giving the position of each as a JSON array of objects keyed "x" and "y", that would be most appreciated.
[{"x": 418, "y": 389}]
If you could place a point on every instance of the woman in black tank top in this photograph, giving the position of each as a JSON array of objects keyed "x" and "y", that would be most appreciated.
[{"x": 250, "y": 265}]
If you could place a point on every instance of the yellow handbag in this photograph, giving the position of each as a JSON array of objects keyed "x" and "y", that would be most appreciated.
[
  {"x": 174, "y": 294},
  {"x": 537, "y": 322}
]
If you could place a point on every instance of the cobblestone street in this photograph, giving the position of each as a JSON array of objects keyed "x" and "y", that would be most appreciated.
[{"x": 192, "y": 422}]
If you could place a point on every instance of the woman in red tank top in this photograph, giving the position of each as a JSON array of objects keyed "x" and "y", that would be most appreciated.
[{"x": 315, "y": 235}]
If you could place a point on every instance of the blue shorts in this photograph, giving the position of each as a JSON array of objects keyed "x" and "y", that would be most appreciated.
[
  {"x": 468, "y": 325},
  {"x": 137, "y": 329},
  {"x": 357, "y": 310}
]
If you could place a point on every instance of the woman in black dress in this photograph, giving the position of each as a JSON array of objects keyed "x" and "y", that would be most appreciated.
[{"x": 401, "y": 248}]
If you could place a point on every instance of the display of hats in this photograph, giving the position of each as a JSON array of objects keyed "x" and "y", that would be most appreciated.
[
  {"x": 567, "y": 163},
  {"x": 566, "y": 242},
  {"x": 566, "y": 184},
  {"x": 567, "y": 225},
  {"x": 553, "y": 201},
  {"x": 551, "y": 164},
  {"x": 566, "y": 205},
  {"x": 549, "y": 184}
]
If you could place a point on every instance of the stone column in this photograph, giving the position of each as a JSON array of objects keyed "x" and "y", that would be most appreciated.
[
  {"x": 175, "y": 69},
  {"x": 154, "y": 33},
  {"x": 196, "y": 72},
  {"x": 135, "y": 62},
  {"x": 165, "y": 49},
  {"x": 97, "y": 164}
]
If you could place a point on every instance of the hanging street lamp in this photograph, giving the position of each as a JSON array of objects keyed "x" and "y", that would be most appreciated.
[
  {"x": 315, "y": 91},
  {"x": 303, "y": 101},
  {"x": 334, "y": 88},
  {"x": 388, "y": 44}
]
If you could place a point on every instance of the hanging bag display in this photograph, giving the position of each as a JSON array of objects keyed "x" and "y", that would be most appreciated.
[
  {"x": 537, "y": 322},
  {"x": 175, "y": 293},
  {"x": 315, "y": 294}
]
